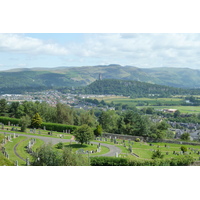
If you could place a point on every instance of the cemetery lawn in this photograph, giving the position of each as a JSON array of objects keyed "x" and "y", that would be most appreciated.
[
  {"x": 145, "y": 151},
  {"x": 22, "y": 148},
  {"x": 3, "y": 159},
  {"x": 43, "y": 133},
  {"x": 38, "y": 144},
  {"x": 10, "y": 149},
  {"x": 85, "y": 147}
]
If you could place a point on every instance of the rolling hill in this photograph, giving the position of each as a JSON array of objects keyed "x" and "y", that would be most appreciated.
[{"x": 82, "y": 76}]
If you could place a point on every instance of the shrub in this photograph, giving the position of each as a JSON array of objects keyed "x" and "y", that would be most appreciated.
[
  {"x": 183, "y": 148},
  {"x": 60, "y": 145},
  {"x": 137, "y": 139},
  {"x": 111, "y": 161},
  {"x": 157, "y": 154}
]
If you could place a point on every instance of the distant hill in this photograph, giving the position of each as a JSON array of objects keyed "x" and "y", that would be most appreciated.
[
  {"x": 82, "y": 76},
  {"x": 131, "y": 88}
]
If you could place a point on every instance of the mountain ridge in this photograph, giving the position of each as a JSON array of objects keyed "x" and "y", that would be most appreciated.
[{"x": 64, "y": 76}]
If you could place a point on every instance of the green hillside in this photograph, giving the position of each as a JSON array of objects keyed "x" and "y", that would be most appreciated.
[
  {"x": 17, "y": 80},
  {"x": 131, "y": 88}
]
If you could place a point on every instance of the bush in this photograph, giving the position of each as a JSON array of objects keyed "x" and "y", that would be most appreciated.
[
  {"x": 108, "y": 161},
  {"x": 60, "y": 145},
  {"x": 183, "y": 148},
  {"x": 137, "y": 139},
  {"x": 111, "y": 161},
  {"x": 157, "y": 154}
]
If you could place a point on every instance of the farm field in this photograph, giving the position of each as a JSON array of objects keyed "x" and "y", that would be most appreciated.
[
  {"x": 182, "y": 109},
  {"x": 174, "y": 103},
  {"x": 133, "y": 102}
]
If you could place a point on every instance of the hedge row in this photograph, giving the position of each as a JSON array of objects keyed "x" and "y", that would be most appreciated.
[
  {"x": 5, "y": 120},
  {"x": 49, "y": 126},
  {"x": 111, "y": 161},
  {"x": 58, "y": 127}
]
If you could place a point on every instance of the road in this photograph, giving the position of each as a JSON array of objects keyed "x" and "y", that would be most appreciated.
[{"x": 112, "y": 152}]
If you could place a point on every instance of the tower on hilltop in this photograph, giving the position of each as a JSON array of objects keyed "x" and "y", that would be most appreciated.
[{"x": 100, "y": 77}]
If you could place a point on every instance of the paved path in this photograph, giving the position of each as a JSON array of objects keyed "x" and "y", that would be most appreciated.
[{"x": 112, "y": 152}]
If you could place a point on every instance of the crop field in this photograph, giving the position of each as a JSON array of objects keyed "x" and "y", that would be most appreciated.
[
  {"x": 182, "y": 109},
  {"x": 150, "y": 101},
  {"x": 173, "y": 103}
]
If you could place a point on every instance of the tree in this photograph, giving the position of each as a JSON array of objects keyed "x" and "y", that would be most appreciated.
[
  {"x": 183, "y": 148},
  {"x": 185, "y": 136},
  {"x": 25, "y": 121},
  {"x": 108, "y": 120},
  {"x": 47, "y": 155},
  {"x": 36, "y": 120},
  {"x": 98, "y": 130},
  {"x": 177, "y": 113},
  {"x": 3, "y": 107},
  {"x": 157, "y": 154},
  {"x": 84, "y": 134}
]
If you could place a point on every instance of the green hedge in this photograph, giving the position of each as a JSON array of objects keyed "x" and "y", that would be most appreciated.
[
  {"x": 111, "y": 161},
  {"x": 58, "y": 127},
  {"x": 49, "y": 126},
  {"x": 5, "y": 120}
]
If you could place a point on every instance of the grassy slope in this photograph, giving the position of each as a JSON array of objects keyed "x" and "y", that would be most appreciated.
[{"x": 74, "y": 76}]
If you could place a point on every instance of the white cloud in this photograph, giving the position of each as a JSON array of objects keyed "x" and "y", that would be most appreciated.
[
  {"x": 21, "y": 44},
  {"x": 150, "y": 50}
]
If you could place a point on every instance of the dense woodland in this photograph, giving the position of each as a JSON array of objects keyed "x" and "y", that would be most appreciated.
[
  {"x": 134, "y": 89},
  {"x": 130, "y": 122}
]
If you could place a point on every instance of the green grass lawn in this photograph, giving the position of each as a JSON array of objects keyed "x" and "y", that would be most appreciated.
[
  {"x": 145, "y": 151},
  {"x": 86, "y": 147},
  {"x": 43, "y": 133},
  {"x": 10, "y": 149},
  {"x": 3, "y": 159}
]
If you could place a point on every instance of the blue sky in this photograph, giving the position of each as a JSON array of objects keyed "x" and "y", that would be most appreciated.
[{"x": 26, "y": 50}]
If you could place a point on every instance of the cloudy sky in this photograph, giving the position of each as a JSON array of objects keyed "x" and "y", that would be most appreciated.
[{"x": 76, "y": 49}]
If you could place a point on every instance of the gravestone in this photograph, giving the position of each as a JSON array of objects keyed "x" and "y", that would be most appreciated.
[
  {"x": 80, "y": 151},
  {"x": 27, "y": 162},
  {"x": 9, "y": 123},
  {"x": 14, "y": 136},
  {"x": 16, "y": 163},
  {"x": 44, "y": 128},
  {"x": 116, "y": 155},
  {"x": 2, "y": 126}
]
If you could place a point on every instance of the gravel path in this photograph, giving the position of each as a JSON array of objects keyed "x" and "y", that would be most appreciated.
[{"x": 112, "y": 152}]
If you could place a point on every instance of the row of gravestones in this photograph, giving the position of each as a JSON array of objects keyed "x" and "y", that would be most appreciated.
[
  {"x": 30, "y": 144},
  {"x": 8, "y": 138},
  {"x": 114, "y": 140},
  {"x": 158, "y": 146},
  {"x": 81, "y": 151}
]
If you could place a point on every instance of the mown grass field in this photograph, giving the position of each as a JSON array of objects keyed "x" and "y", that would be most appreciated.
[
  {"x": 21, "y": 150},
  {"x": 42, "y": 132},
  {"x": 174, "y": 103},
  {"x": 86, "y": 147},
  {"x": 145, "y": 151},
  {"x": 182, "y": 109}
]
